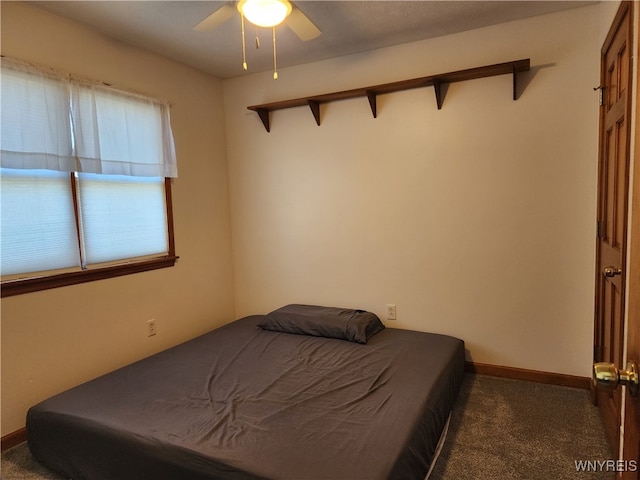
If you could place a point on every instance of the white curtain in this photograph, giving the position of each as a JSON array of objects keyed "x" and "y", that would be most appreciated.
[
  {"x": 68, "y": 125},
  {"x": 36, "y": 128}
]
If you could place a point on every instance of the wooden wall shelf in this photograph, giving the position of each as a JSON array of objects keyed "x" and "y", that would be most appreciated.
[{"x": 438, "y": 82}]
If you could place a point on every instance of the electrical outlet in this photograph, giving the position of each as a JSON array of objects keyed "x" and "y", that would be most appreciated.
[
  {"x": 151, "y": 327},
  {"x": 391, "y": 311}
]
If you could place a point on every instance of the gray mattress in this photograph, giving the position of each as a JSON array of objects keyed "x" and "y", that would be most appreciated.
[{"x": 244, "y": 403}]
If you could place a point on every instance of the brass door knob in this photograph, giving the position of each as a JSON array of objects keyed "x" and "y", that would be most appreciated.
[
  {"x": 607, "y": 377},
  {"x": 612, "y": 271}
]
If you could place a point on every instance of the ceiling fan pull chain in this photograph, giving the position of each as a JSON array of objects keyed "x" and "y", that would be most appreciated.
[
  {"x": 244, "y": 50},
  {"x": 275, "y": 69}
]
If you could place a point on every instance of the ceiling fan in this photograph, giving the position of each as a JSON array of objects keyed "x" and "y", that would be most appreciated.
[{"x": 263, "y": 13}]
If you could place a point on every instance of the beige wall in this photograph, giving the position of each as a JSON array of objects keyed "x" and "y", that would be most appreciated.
[
  {"x": 608, "y": 11},
  {"x": 476, "y": 220},
  {"x": 58, "y": 338}
]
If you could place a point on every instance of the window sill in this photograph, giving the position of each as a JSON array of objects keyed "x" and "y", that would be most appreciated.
[{"x": 36, "y": 284}]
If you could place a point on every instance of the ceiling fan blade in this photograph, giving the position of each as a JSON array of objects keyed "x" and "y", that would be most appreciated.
[
  {"x": 217, "y": 18},
  {"x": 301, "y": 25}
]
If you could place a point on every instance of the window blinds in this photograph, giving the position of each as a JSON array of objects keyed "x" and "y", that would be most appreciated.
[
  {"x": 122, "y": 217},
  {"x": 38, "y": 222}
]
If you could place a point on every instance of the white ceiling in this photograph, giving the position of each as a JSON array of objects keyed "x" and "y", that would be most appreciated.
[{"x": 166, "y": 27}]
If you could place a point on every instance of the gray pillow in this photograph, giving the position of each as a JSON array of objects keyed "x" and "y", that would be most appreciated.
[{"x": 343, "y": 323}]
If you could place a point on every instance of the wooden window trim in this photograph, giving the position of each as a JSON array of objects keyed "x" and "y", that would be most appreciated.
[{"x": 35, "y": 284}]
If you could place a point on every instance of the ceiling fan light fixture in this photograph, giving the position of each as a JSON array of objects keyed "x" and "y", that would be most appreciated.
[{"x": 265, "y": 13}]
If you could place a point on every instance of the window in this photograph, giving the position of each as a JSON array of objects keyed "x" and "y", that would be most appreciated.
[{"x": 85, "y": 186}]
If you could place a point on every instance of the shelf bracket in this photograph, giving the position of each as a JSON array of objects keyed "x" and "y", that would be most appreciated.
[
  {"x": 437, "y": 88},
  {"x": 371, "y": 95},
  {"x": 314, "y": 105},
  {"x": 263, "y": 113}
]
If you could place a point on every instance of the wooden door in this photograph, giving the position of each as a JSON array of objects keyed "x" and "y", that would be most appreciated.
[
  {"x": 613, "y": 191},
  {"x": 631, "y": 448}
]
